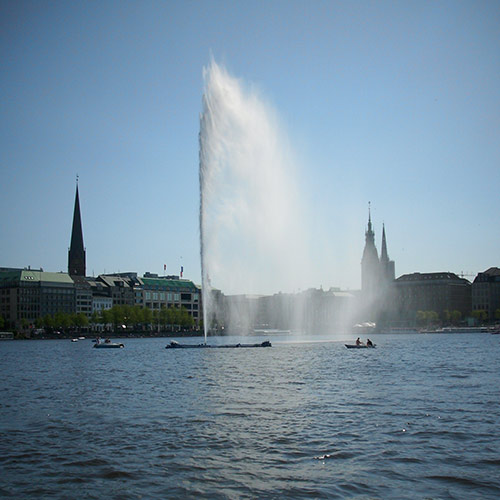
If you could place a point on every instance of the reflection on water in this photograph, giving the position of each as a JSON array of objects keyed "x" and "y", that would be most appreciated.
[{"x": 415, "y": 418}]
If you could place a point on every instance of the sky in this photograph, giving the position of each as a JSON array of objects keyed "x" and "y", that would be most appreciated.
[{"x": 393, "y": 103}]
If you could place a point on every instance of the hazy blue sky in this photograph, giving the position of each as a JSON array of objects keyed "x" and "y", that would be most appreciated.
[{"x": 397, "y": 103}]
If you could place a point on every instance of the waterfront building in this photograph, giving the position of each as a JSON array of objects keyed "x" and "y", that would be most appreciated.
[
  {"x": 119, "y": 288},
  {"x": 76, "y": 252},
  {"x": 155, "y": 292},
  {"x": 438, "y": 292},
  {"x": 486, "y": 292},
  {"x": 83, "y": 296},
  {"x": 28, "y": 294},
  {"x": 101, "y": 303}
]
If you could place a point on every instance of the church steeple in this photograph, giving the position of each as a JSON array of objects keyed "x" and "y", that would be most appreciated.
[
  {"x": 76, "y": 253},
  {"x": 388, "y": 268},
  {"x": 370, "y": 262},
  {"x": 384, "y": 257}
]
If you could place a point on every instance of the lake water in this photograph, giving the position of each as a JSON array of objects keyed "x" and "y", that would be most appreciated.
[{"x": 417, "y": 417}]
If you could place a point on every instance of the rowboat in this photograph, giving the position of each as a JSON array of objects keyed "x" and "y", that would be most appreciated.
[{"x": 361, "y": 346}]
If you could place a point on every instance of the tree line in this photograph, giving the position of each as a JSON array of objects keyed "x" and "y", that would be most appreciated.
[
  {"x": 428, "y": 318},
  {"x": 134, "y": 318}
]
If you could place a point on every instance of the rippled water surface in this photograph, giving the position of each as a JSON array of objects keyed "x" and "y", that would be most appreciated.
[{"x": 417, "y": 417}]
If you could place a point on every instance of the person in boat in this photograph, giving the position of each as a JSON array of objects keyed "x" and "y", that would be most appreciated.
[
  {"x": 107, "y": 341},
  {"x": 369, "y": 343},
  {"x": 358, "y": 342}
]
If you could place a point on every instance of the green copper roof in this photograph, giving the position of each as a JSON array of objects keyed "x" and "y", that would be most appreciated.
[
  {"x": 167, "y": 284},
  {"x": 11, "y": 278},
  {"x": 46, "y": 277}
]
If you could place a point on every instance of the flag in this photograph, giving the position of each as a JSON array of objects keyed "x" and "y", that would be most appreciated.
[
  {"x": 164, "y": 267},
  {"x": 182, "y": 270}
]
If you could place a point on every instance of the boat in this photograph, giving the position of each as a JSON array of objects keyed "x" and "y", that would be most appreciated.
[
  {"x": 360, "y": 346},
  {"x": 175, "y": 345},
  {"x": 108, "y": 345},
  {"x": 74, "y": 340}
]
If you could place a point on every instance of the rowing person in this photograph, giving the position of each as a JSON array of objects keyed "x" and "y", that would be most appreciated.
[
  {"x": 358, "y": 341},
  {"x": 369, "y": 343}
]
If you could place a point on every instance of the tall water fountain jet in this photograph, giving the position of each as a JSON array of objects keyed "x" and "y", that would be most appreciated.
[{"x": 253, "y": 239}]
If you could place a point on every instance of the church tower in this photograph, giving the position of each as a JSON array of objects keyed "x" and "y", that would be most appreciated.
[
  {"x": 76, "y": 253},
  {"x": 387, "y": 266},
  {"x": 370, "y": 264}
]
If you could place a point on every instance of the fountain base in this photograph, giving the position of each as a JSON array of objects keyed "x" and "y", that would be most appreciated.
[{"x": 176, "y": 345}]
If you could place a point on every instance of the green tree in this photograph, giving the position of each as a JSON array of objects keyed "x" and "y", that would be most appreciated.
[
  {"x": 185, "y": 319},
  {"x": 156, "y": 319},
  {"x": 106, "y": 316},
  {"x": 48, "y": 321},
  {"x": 432, "y": 317},
  {"x": 421, "y": 318},
  {"x": 147, "y": 317},
  {"x": 163, "y": 317},
  {"x": 480, "y": 315},
  {"x": 446, "y": 317},
  {"x": 497, "y": 314},
  {"x": 80, "y": 320},
  {"x": 2, "y": 321},
  {"x": 128, "y": 315},
  {"x": 117, "y": 315},
  {"x": 455, "y": 317},
  {"x": 95, "y": 319},
  {"x": 62, "y": 320}
]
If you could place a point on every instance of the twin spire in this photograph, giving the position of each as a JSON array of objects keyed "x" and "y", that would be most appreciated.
[{"x": 375, "y": 271}]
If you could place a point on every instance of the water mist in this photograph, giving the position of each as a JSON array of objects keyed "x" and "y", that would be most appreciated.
[{"x": 251, "y": 228}]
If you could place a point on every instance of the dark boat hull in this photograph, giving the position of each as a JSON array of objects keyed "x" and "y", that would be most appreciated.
[
  {"x": 109, "y": 346},
  {"x": 354, "y": 346},
  {"x": 176, "y": 345}
]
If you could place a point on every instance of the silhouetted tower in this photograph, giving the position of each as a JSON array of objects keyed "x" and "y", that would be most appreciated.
[
  {"x": 370, "y": 264},
  {"x": 76, "y": 253},
  {"x": 387, "y": 268}
]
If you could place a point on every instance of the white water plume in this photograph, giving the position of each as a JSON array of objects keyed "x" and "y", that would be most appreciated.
[{"x": 253, "y": 239}]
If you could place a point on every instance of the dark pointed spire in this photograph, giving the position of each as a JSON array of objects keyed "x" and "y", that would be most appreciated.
[
  {"x": 383, "y": 254},
  {"x": 369, "y": 234},
  {"x": 76, "y": 254}
]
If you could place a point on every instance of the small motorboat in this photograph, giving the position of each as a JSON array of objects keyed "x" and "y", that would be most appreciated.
[
  {"x": 74, "y": 340},
  {"x": 360, "y": 346},
  {"x": 108, "y": 345}
]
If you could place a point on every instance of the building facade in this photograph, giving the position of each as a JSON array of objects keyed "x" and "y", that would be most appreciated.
[
  {"x": 486, "y": 293},
  {"x": 438, "y": 292},
  {"x": 26, "y": 295}
]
